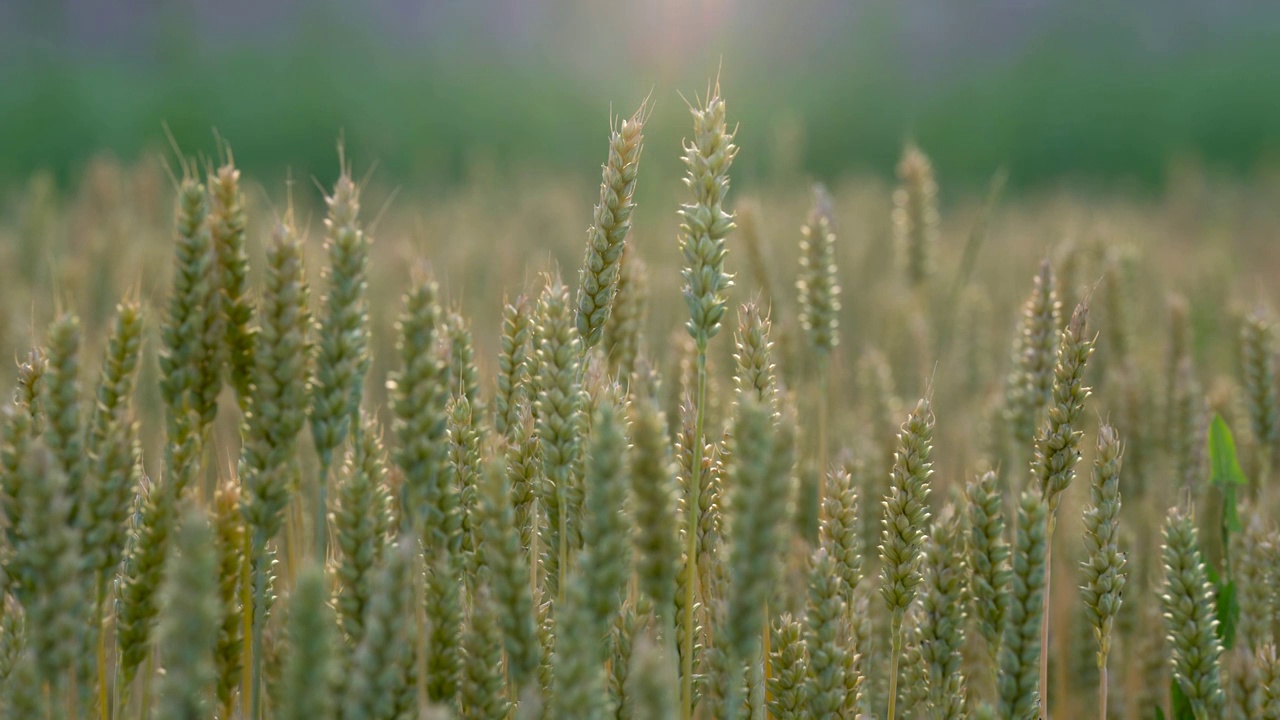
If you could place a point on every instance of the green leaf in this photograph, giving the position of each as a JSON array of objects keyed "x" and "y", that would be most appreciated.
[
  {"x": 1179, "y": 704},
  {"x": 1228, "y": 611},
  {"x": 1224, "y": 470},
  {"x": 1223, "y": 464},
  {"x": 1159, "y": 713}
]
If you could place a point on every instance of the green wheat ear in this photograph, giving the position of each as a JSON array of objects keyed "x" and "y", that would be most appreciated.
[
  {"x": 1104, "y": 564},
  {"x": 277, "y": 403},
  {"x": 790, "y": 663},
  {"x": 1258, "y": 371},
  {"x": 464, "y": 376},
  {"x": 1269, "y": 679},
  {"x": 484, "y": 692},
  {"x": 944, "y": 605},
  {"x": 342, "y": 358},
  {"x": 652, "y": 682},
  {"x": 508, "y": 569},
  {"x": 840, "y": 532},
  {"x": 61, "y": 402},
  {"x": 188, "y": 629},
  {"x": 760, "y": 478},
  {"x": 381, "y": 682},
  {"x": 419, "y": 393},
  {"x": 606, "y": 556},
  {"x": 704, "y": 223},
  {"x": 513, "y": 365},
  {"x": 1029, "y": 387},
  {"x": 230, "y": 536},
  {"x": 1019, "y": 678},
  {"x": 227, "y": 225},
  {"x": 113, "y": 448},
  {"x": 1057, "y": 447},
  {"x": 560, "y": 417},
  {"x": 606, "y": 238},
  {"x": 826, "y": 637},
  {"x": 990, "y": 573},
  {"x": 624, "y": 331},
  {"x": 192, "y": 335},
  {"x": 1190, "y": 619},
  {"x": 906, "y": 512},
  {"x": 57, "y": 606},
  {"x": 309, "y": 666},
  {"x": 579, "y": 669},
  {"x": 362, "y": 521},
  {"x": 915, "y": 215},
  {"x": 653, "y": 506},
  {"x": 756, "y": 374},
  {"x": 906, "y": 525},
  {"x": 818, "y": 286}
]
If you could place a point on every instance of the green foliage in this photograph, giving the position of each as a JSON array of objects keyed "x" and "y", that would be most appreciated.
[{"x": 1225, "y": 472}]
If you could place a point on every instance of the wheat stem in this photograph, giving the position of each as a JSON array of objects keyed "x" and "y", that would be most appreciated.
[
  {"x": 824, "y": 387},
  {"x": 1102, "y": 690},
  {"x": 896, "y": 639},
  {"x": 100, "y": 626},
  {"x": 246, "y": 601},
  {"x": 691, "y": 561}
]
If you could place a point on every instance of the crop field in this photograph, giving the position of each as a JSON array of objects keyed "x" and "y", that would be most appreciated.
[{"x": 281, "y": 447}]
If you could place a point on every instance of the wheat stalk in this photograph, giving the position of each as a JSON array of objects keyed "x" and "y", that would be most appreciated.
[
  {"x": 1104, "y": 564},
  {"x": 906, "y": 522}
]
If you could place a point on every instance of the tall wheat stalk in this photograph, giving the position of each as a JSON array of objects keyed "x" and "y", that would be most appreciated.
[
  {"x": 1057, "y": 450},
  {"x": 704, "y": 224},
  {"x": 819, "y": 295},
  {"x": 906, "y": 522}
]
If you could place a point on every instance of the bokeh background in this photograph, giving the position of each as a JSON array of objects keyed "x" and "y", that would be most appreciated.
[{"x": 1081, "y": 90}]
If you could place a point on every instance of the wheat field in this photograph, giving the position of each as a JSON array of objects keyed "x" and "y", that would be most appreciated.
[{"x": 867, "y": 450}]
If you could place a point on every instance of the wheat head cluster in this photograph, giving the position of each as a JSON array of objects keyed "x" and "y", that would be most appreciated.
[{"x": 1010, "y": 461}]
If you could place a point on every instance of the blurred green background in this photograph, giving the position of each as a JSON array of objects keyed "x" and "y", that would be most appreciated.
[{"x": 432, "y": 91}]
